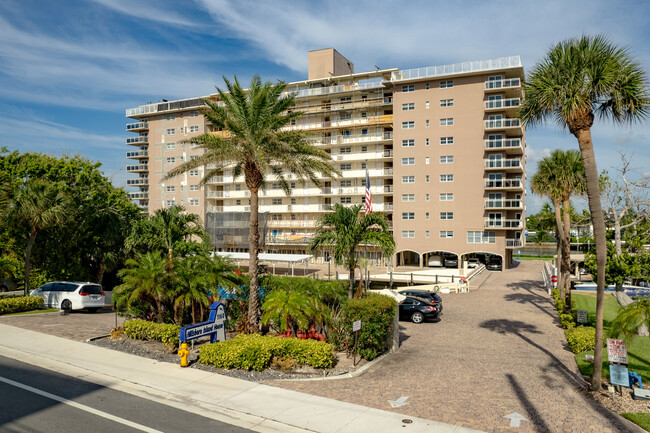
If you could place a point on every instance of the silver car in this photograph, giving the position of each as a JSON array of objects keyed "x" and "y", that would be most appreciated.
[{"x": 68, "y": 295}]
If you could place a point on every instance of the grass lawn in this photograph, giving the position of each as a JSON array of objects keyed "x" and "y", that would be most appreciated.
[
  {"x": 523, "y": 257},
  {"x": 49, "y": 310},
  {"x": 640, "y": 419},
  {"x": 638, "y": 348}
]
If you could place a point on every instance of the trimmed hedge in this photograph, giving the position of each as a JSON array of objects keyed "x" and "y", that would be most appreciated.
[
  {"x": 255, "y": 352},
  {"x": 20, "y": 304},
  {"x": 581, "y": 339},
  {"x": 139, "y": 329},
  {"x": 376, "y": 313}
]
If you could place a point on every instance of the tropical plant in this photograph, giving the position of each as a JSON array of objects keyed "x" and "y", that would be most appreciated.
[
  {"x": 559, "y": 176},
  {"x": 288, "y": 309},
  {"x": 37, "y": 205},
  {"x": 345, "y": 230},
  {"x": 254, "y": 140},
  {"x": 578, "y": 79},
  {"x": 631, "y": 318},
  {"x": 144, "y": 279}
]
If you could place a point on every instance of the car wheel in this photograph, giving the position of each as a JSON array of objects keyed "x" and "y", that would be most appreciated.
[
  {"x": 4, "y": 289},
  {"x": 417, "y": 317},
  {"x": 66, "y": 305},
  {"x": 93, "y": 310}
]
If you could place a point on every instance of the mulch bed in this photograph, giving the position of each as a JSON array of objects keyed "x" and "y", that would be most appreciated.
[{"x": 619, "y": 403}]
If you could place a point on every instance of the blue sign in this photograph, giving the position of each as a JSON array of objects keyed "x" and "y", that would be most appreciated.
[
  {"x": 215, "y": 327},
  {"x": 618, "y": 375}
]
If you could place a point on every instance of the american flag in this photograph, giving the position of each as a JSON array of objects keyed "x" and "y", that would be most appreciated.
[{"x": 368, "y": 201}]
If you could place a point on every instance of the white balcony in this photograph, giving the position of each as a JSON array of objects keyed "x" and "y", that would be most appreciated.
[
  {"x": 138, "y": 154},
  {"x": 214, "y": 209},
  {"x": 348, "y": 123},
  {"x": 514, "y": 243},
  {"x": 138, "y": 195},
  {"x": 140, "y": 168},
  {"x": 503, "y": 123},
  {"x": 301, "y": 93},
  {"x": 510, "y": 145},
  {"x": 504, "y": 204},
  {"x": 457, "y": 68},
  {"x": 343, "y": 105},
  {"x": 507, "y": 83},
  {"x": 507, "y": 184},
  {"x": 137, "y": 126},
  {"x": 506, "y": 224},
  {"x": 139, "y": 181},
  {"x": 501, "y": 104},
  {"x": 137, "y": 140},
  {"x": 508, "y": 164}
]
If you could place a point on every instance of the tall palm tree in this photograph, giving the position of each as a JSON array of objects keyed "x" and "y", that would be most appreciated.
[
  {"x": 145, "y": 278},
  {"x": 560, "y": 176},
  {"x": 255, "y": 142},
  {"x": 37, "y": 205},
  {"x": 346, "y": 229},
  {"x": 578, "y": 79}
]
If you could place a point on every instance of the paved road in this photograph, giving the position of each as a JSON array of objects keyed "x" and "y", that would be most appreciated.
[
  {"x": 497, "y": 350},
  {"x": 37, "y": 400}
]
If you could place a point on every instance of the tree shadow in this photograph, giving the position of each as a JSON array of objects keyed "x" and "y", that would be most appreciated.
[
  {"x": 531, "y": 410},
  {"x": 402, "y": 335},
  {"x": 535, "y": 300}
]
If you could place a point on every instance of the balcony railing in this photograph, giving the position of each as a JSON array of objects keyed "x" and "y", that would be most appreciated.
[
  {"x": 502, "y": 123},
  {"x": 139, "y": 181},
  {"x": 504, "y": 183},
  {"x": 347, "y": 123},
  {"x": 503, "y": 224},
  {"x": 503, "y": 203},
  {"x": 503, "y": 163},
  {"x": 508, "y": 143},
  {"x": 137, "y": 140},
  {"x": 502, "y": 84},
  {"x": 353, "y": 138},
  {"x": 514, "y": 243},
  {"x": 137, "y": 168},
  {"x": 388, "y": 153},
  {"x": 457, "y": 68},
  {"x": 301, "y": 93},
  {"x": 138, "y": 154},
  {"x": 388, "y": 206},
  {"x": 214, "y": 208},
  {"x": 138, "y": 195},
  {"x": 137, "y": 126},
  {"x": 388, "y": 188},
  {"x": 388, "y": 171},
  {"x": 502, "y": 103},
  {"x": 343, "y": 105}
]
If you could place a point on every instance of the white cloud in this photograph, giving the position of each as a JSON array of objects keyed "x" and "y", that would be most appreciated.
[{"x": 148, "y": 11}]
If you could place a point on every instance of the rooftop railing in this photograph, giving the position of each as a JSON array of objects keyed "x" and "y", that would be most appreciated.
[{"x": 457, "y": 68}]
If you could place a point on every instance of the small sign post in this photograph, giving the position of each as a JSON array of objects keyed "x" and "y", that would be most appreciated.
[
  {"x": 617, "y": 356},
  {"x": 616, "y": 351},
  {"x": 582, "y": 316},
  {"x": 356, "y": 327},
  {"x": 215, "y": 327}
]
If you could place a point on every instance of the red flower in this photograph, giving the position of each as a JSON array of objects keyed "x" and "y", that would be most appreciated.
[{"x": 370, "y": 340}]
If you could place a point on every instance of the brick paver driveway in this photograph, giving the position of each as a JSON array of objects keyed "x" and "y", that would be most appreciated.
[{"x": 497, "y": 350}]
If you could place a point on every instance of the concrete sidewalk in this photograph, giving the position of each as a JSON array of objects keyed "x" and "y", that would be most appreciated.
[{"x": 246, "y": 404}]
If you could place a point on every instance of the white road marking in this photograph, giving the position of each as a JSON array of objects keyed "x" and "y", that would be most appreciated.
[{"x": 80, "y": 406}]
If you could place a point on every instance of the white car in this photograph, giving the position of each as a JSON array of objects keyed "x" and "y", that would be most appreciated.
[
  {"x": 68, "y": 295},
  {"x": 473, "y": 263}
]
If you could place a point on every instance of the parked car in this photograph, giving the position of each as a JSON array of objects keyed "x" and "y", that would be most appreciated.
[
  {"x": 473, "y": 262},
  {"x": 435, "y": 261},
  {"x": 71, "y": 295},
  {"x": 434, "y": 298},
  {"x": 451, "y": 261},
  {"x": 7, "y": 285},
  {"x": 418, "y": 310},
  {"x": 494, "y": 264}
]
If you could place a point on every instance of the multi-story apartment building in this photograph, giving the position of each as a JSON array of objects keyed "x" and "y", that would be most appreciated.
[{"x": 442, "y": 146}]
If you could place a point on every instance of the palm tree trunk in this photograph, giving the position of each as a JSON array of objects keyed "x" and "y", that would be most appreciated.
[
  {"x": 351, "y": 285},
  {"x": 28, "y": 258},
  {"x": 558, "y": 239},
  {"x": 566, "y": 255},
  {"x": 598, "y": 221},
  {"x": 254, "y": 308}
]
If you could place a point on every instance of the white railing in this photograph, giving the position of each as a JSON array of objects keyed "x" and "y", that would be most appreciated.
[
  {"x": 503, "y": 203},
  {"x": 502, "y": 103},
  {"x": 359, "y": 121},
  {"x": 502, "y": 123},
  {"x": 300, "y": 93},
  {"x": 503, "y": 223},
  {"x": 137, "y": 154},
  {"x": 503, "y": 163},
  {"x": 504, "y": 183},
  {"x": 139, "y": 167},
  {"x": 137, "y": 125},
  {"x": 457, "y": 68},
  {"x": 503, "y": 84},
  {"x": 139, "y": 181},
  {"x": 138, "y": 195},
  {"x": 508, "y": 143},
  {"x": 514, "y": 243},
  {"x": 138, "y": 139}
]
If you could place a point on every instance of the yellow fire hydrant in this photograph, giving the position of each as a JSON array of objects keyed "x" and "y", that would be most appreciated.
[{"x": 183, "y": 352}]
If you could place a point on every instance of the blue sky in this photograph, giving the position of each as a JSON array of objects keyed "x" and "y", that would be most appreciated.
[{"x": 70, "y": 68}]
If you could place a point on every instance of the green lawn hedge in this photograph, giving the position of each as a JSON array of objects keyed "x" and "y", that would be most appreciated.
[
  {"x": 139, "y": 329},
  {"x": 376, "y": 313},
  {"x": 20, "y": 304},
  {"x": 255, "y": 352}
]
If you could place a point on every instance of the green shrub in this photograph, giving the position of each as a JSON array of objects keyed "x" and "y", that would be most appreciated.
[
  {"x": 255, "y": 352},
  {"x": 376, "y": 313},
  {"x": 559, "y": 305},
  {"x": 567, "y": 321},
  {"x": 19, "y": 304},
  {"x": 139, "y": 329},
  {"x": 581, "y": 339},
  {"x": 556, "y": 294}
]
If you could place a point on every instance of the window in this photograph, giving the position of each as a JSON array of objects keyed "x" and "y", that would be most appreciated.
[
  {"x": 426, "y": 141},
  {"x": 170, "y": 117},
  {"x": 426, "y": 215},
  {"x": 346, "y": 100},
  {"x": 408, "y": 143},
  {"x": 408, "y": 161},
  {"x": 446, "y": 178},
  {"x": 345, "y": 116},
  {"x": 446, "y": 196},
  {"x": 293, "y": 201},
  {"x": 446, "y": 102},
  {"x": 446, "y": 215},
  {"x": 409, "y": 88},
  {"x": 426, "y": 179},
  {"x": 446, "y": 234},
  {"x": 194, "y": 128},
  {"x": 194, "y": 187},
  {"x": 276, "y": 186},
  {"x": 346, "y": 150},
  {"x": 170, "y": 188},
  {"x": 238, "y": 202},
  {"x": 194, "y": 172},
  {"x": 447, "y": 159},
  {"x": 194, "y": 113},
  {"x": 171, "y": 146},
  {"x": 346, "y": 183},
  {"x": 449, "y": 121},
  {"x": 446, "y": 84},
  {"x": 364, "y": 148},
  {"x": 194, "y": 202},
  {"x": 170, "y": 203},
  {"x": 408, "y": 125},
  {"x": 170, "y": 131},
  {"x": 426, "y": 123},
  {"x": 426, "y": 234},
  {"x": 408, "y": 107},
  {"x": 346, "y": 200},
  {"x": 276, "y": 201},
  {"x": 426, "y": 105},
  {"x": 364, "y": 131},
  {"x": 408, "y": 197},
  {"x": 426, "y": 197},
  {"x": 364, "y": 165},
  {"x": 346, "y": 132},
  {"x": 426, "y": 86},
  {"x": 408, "y": 179},
  {"x": 170, "y": 159},
  {"x": 194, "y": 145},
  {"x": 346, "y": 167},
  {"x": 481, "y": 237},
  {"x": 408, "y": 234},
  {"x": 292, "y": 185},
  {"x": 446, "y": 140},
  {"x": 426, "y": 160},
  {"x": 408, "y": 215}
]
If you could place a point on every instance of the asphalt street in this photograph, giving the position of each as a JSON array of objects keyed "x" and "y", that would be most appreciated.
[{"x": 34, "y": 399}]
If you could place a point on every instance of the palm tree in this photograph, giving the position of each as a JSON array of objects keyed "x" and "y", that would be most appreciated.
[
  {"x": 145, "y": 278},
  {"x": 578, "y": 79},
  {"x": 559, "y": 176},
  {"x": 190, "y": 283},
  {"x": 345, "y": 230},
  {"x": 38, "y": 205},
  {"x": 631, "y": 319},
  {"x": 255, "y": 141}
]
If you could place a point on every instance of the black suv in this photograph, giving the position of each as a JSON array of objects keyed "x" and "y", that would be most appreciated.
[
  {"x": 434, "y": 298},
  {"x": 418, "y": 310},
  {"x": 494, "y": 264}
]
